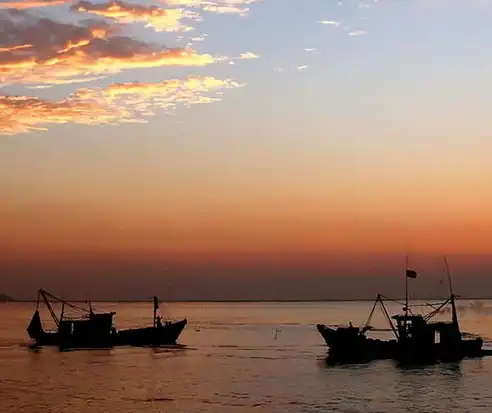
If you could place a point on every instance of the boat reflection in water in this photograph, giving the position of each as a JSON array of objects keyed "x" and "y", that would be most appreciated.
[
  {"x": 417, "y": 339},
  {"x": 96, "y": 330}
]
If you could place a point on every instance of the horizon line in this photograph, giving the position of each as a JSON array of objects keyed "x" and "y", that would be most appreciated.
[{"x": 331, "y": 300}]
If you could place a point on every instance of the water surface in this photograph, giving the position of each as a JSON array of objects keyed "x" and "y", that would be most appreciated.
[{"x": 233, "y": 357}]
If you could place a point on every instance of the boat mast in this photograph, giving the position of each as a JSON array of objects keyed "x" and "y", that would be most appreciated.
[
  {"x": 406, "y": 286},
  {"x": 62, "y": 312},
  {"x": 156, "y": 306},
  {"x": 453, "y": 304},
  {"x": 449, "y": 276}
]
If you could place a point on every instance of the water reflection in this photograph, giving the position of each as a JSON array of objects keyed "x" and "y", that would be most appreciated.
[
  {"x": 239, "y": 368},
  {"x": 418, "y": 388},
  {"x": 330, "y": 361}
]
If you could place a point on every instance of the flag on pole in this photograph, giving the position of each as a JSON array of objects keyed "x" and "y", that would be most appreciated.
[{"x": 411, "y": 273}]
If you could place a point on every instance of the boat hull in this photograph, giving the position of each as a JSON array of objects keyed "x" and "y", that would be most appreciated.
[
  {"x": 348, "y": 345},
  {"x": 56, "y": 339},
  {"x": 166, "y": 334}
]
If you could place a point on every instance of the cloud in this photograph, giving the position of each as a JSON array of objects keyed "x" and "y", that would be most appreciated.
[
  {"x": 329, "y": 22},
  {"x": 158, "y": 18},
  {"x": 248, "y": 55},
  {"x": 302, "y": 67},
  {"x": 310, "y": 49},
  {"x": 24, "y": 114},
  {"x": 216, "y": 6},
  {"x": 13, "y": 48},
  {"x": 357, "y": 33},
  {"x": 199, "y": 38},
  {"x": 118, "y": 103},
  {"x": 39, "y": 53},
  {"x": 66, "y": 82},
  {"x": 27, "y": 4},
  {"x": 242, "y": 56},
  {"x": 44, "y": 51}
]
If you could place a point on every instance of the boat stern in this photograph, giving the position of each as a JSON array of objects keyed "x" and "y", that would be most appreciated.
[{"x": 35, "y": 327}]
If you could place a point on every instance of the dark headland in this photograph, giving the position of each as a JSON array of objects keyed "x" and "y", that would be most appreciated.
[{"x": 5, "y": 298}]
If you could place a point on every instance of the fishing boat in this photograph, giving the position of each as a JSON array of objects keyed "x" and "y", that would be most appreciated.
[
  {"x": 88, "y": 329},
  {"x": 416, "y": 337}
]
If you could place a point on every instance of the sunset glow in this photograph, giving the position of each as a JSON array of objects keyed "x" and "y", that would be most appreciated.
[
  {"x": 243, "y": 131},
  {"x": 158, "y": 18}
]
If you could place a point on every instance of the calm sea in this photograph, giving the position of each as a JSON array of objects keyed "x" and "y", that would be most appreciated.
[{"x": 239, "y": 357}]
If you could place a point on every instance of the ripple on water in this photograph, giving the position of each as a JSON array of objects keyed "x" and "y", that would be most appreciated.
[{"x": 239, "y": 369}]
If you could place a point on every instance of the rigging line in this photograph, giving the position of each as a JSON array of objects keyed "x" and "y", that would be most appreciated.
[
  {"x": 388, "y": 318},
  {"x": 436, "y": 311},
  {"x": 369, "y": 319},
  {"x": 428, "y": 304},
  {"x": 391, "y": 299},
  {"x": 163, "y": 310},
  {"x": 73, "y": 306},
  {"x": 413, "y": 305},
  {"x": 436, "y": 305}
]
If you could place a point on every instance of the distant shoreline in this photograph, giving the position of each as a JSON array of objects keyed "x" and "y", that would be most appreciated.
[{"x": 338, "y": 300}]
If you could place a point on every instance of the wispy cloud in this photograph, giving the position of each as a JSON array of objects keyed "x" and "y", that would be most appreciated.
[
  {"x": 310, "y": 49},
  {"x": 302, "y": 67},
  {"x": 248, "y": 55},
  {"x": 216, "y": 6},
  {"x": 357, "y": 33},
  {"x": 118, "y": 103},
  {"x": 14, "y": 48},
  {"x": 329, "y": 22},
  {"x": 28, "y": 4},
  {"x": 156, "y": 17},
  {"x": 59, "y": 51},
  {"x": 25, "y": 114},
  {"x": 199, "y": 38},
  {"x": 54, "y": 82}
]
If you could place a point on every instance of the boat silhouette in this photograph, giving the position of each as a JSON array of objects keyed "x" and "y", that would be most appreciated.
[
  {"x": 96, "y": 330},
  {"x": 417, "y": 339}
]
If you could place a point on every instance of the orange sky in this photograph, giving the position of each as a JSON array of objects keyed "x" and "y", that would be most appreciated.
[
  {"x": 225, "y": 202},
  {"x": 197, "y": 132}
]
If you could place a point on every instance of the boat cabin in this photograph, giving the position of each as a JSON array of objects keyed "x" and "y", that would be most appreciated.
[
  {"x": 97, "y": 328},
  {"x": 414, "y": 333},
  {"x": 447, "y": 335}
]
